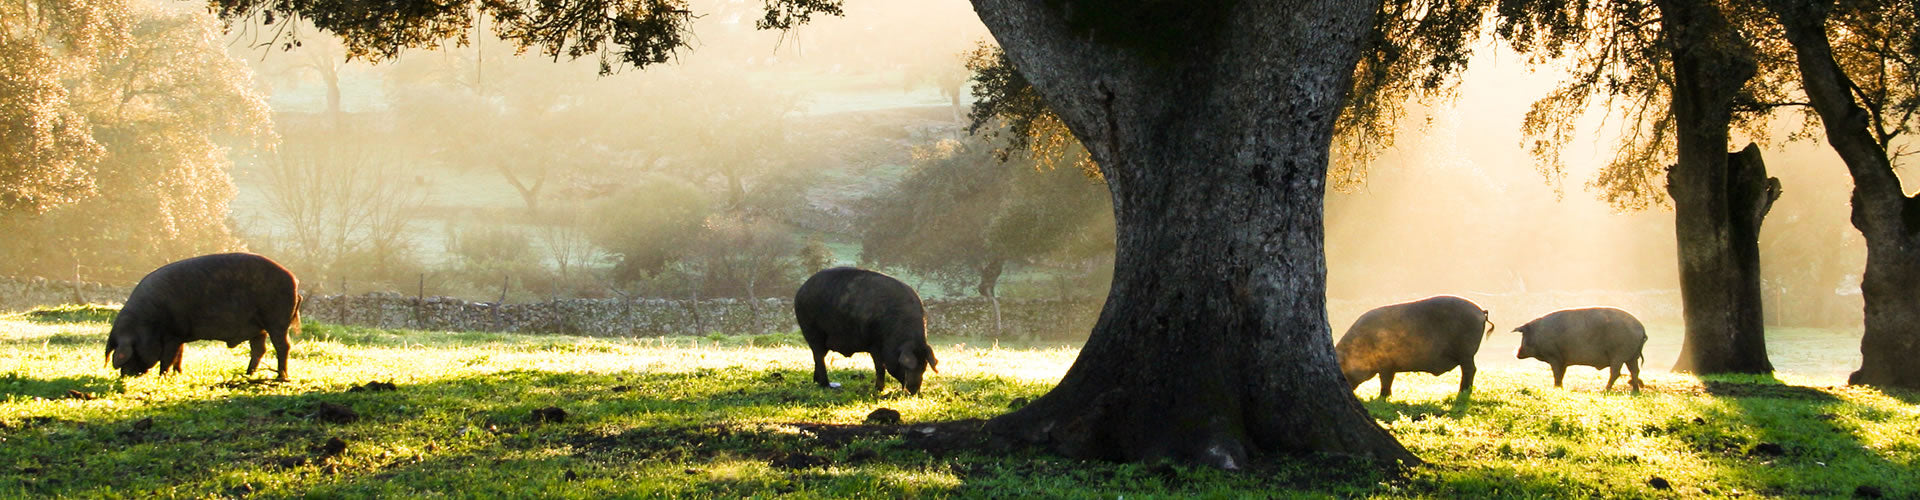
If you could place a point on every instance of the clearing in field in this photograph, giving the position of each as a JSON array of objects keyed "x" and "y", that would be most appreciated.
[{"x": 409, "y": 413}]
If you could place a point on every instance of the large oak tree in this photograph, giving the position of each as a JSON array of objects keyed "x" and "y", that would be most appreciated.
[{"x": 1212, "y": 122}]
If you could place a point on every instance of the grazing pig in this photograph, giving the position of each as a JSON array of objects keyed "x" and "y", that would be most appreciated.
[
  {"x": 1600, "y": 337},
  {"x": 1430, "y": 335},
  {"x": 848, "y": 310},
  {"x": 231, "y": 297}
]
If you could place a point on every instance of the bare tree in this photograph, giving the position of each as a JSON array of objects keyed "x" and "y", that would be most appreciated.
[
  {"x": 565, "y": 238},
  {"x": 334, "y": 200}
]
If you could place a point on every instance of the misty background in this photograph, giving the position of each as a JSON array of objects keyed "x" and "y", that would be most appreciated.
[{"x": 739, "y": 170}]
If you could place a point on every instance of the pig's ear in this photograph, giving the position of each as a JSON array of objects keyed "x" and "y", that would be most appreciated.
[{"x": 932, "y": 361}]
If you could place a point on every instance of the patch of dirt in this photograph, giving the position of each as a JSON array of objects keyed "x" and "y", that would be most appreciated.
[
  {"x": 334, "y": 414},
  {"x": 799, "y": 460},
  {"x": 333, "y": 446},
  {"x": 246, "y": 383},
  {"x": 1767, "y": 450},
  {"x": 883, "y": 416},
  {"x": 1775, "y": 391},
  {"x": 138, "y": 431},
  {"x": 73, "y": 394},
  {"x": 374, "y": 387},
  {"x": 289, "y": 462},
  {"x": 551, "y": 414}
]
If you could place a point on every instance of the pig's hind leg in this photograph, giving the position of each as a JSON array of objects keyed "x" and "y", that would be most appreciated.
[
  {"x": 258, "y": 349},
  {"x": 820, "y": 369},
  {"x": 281, "y": 345},
  {"x": 1633, "y": 375},
  {"x": 1466, "y": 378}
]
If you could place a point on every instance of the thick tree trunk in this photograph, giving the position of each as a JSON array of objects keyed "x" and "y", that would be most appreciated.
[
  {"x": 1213, "y": 344},
  {"x": 1885, "y": 215},
  {"x": 1719, "y": 199}
]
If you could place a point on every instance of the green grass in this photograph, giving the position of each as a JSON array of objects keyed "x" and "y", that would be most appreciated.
[
  {"x": 722, "y": 416},
  {"x": 82, "y": 313}
]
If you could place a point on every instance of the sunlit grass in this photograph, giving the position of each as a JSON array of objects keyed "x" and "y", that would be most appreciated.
[{"x": 714, "y": 417}]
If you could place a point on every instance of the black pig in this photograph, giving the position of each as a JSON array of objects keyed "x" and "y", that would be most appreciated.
[
  {"x": 848, "y": 310},
  {"x": 1430, "y": 335},
  {"x": 231, "y": 297},
  {"x": 1600, "y": 337}
]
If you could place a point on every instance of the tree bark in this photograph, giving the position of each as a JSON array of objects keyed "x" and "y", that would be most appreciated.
[
  {"x": 1213, "y": 344},
  {"x": 1719, "y": 199},
  {"x": 1887, "y": 218}
]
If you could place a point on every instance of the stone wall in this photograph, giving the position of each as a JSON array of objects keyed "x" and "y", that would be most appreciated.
[
  {"x": 1031, "y": 319},
  {"x": 20, "y": 294},
  {"x": 1020, "y": 318}
]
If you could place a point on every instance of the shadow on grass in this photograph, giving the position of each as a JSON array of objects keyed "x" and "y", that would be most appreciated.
[
  {"x": 1768, "y": 387},
  {"x": 1389, "y": 410},
  {"x": 1908, "y": 396},
  {"x": 80, "y": 387},
  {"x": 739, "y": 432},
  {"x": 1790, "y": 441}
]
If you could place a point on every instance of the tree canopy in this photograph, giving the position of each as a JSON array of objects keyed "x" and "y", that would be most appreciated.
[
  {"x": 639, "y": 33},
  {"x": 48, "y": 153},
  {"x": 1415, "y": 52},
  {"x": 135, "y": 172}
]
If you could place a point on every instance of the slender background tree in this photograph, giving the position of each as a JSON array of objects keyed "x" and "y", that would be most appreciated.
[
  {"x": 1857, "y": 61},
  {"x": 1679, "y": 76}
]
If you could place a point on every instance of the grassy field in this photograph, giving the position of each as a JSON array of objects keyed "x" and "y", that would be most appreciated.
[{"x": 468, "y": 415}]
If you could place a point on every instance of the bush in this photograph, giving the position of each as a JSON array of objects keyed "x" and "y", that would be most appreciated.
[
  {"x": 485, "y": 255},
  {"x": 648, "y": 226}
]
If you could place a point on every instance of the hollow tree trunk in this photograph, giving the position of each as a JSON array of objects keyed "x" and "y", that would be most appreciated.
[
  {"x": 1718, "y": 198},
  {"x": 1213, "y": 136},
  {"x": 1885, "y": 215}
]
